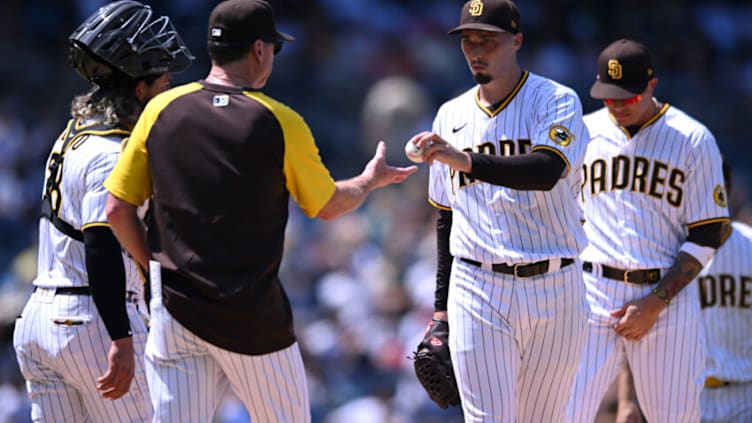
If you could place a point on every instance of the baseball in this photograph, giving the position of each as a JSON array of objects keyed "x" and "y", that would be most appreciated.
[{"x": 413, "y": 153}]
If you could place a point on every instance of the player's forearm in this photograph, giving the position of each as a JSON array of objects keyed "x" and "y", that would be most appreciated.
[
  {"x": 443, "y": 262},
  {"x": 348, "y": 196},
  {"x": 104, "y": 267},
  {"x": 128, "y": 228},
  {"x": 684, "y": 270},
  {"x": 539, "y": 170}
]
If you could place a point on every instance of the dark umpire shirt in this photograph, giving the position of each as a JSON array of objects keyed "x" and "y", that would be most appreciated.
[{"x": 220, "y": 164}]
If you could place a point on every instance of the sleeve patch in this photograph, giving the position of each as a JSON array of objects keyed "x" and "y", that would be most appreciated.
[
  {"x": 560, "y": 135},
  {"x": 719, "y": 195}
]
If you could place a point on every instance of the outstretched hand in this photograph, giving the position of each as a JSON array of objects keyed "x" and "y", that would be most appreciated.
[
  {"x": 350, "y": 193},
  {"x": 120, "y": 369},
  {"x": 384, "y": 174}
]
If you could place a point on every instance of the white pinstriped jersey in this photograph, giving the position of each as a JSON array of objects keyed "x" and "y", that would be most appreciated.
[
  {"x": 726, "y": 302},
  {"x": 60, "y": 339},
  {"x": 497, "y": 224},
  {"x": 86, "y": 164},
  {"x": 641, "y": 194}
]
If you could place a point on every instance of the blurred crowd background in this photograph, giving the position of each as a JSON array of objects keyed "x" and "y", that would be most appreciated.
[{"x": 361, "y": 71}]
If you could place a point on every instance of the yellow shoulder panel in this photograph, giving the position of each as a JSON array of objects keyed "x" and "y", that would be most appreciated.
[{"x": 308, "y": 180}]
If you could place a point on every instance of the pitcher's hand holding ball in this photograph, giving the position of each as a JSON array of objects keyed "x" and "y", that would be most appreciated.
[{"x": 428, "y": 146}]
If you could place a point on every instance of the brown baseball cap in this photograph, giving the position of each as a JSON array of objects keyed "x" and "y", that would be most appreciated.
[
  {"x": 624, "y": 69},
  {"x": 489, "y": 15},
  {"x": 244, "y": 21}
]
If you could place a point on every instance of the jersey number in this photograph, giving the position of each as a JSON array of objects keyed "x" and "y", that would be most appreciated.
[
  {"x": 52, "y": 184},
  {"x": 52, "y": 198}
]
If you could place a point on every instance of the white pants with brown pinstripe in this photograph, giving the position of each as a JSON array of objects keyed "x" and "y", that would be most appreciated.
[
  {"x": 62, "y": 345},
  {"x": 667, "y": 364},
  {"x": 188, "y": 376},
  {"x": 515, "y": 342}
]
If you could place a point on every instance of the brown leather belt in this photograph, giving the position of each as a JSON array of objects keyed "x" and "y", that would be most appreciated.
[
  {"x": 640, "y": 277},
  {"x": 521, "y": 270}
]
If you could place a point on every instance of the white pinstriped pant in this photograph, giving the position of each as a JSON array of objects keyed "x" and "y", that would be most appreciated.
[
  {"x": 61, "y": 362},
  {"x": 515, "y": 342},
  {"x": 667, "y": 364},
  {"x": 188, "y": 376}
]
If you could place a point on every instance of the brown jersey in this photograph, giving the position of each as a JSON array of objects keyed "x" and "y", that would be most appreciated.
[{"x": 220, "y": 164}]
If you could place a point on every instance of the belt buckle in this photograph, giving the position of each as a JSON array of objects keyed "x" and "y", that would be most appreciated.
[
  {"x": 515, "y": 269},
  {"x": 626, "y": 276}
]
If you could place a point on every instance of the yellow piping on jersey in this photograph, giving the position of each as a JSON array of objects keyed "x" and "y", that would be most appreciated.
[
  {"x": 557, "y": 152},
  {"x": 80, "y": 126},
  {"x": 81, "y": 131},
  {"x": 74, "y": 135},
  {"x": 726, "y": 235},
  {"x": 438, "y": 206},
  {"x": 708, "y": 222},
  {"x": 505, "y": 102},
  {"x": 650, "y": 121},
  {"x": 95, "y": 225}
]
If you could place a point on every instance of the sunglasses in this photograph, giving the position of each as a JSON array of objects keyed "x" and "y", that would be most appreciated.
[
  {"x": 624, "y": 102},
  {"x": 277, "y": 45}
]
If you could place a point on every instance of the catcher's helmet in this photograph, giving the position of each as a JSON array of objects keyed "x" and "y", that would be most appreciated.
[{"x": 129, "y": 40}]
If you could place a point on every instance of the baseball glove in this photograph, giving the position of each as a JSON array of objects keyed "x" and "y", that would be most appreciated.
[{"x": 433, "y": 366}]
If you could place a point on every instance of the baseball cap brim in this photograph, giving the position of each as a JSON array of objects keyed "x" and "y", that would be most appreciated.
[
  {"x": 602, "y": 90},
  {"x": 477, "y": 26},
  {"x": 281, "y": 36}
]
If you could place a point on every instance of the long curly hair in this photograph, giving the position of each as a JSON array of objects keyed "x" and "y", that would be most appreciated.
[
  {"x": 116, "y": 105},
  {"x": 114, "y": 102}
]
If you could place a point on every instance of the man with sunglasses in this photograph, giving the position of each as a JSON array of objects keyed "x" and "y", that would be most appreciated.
[
  {"x": 655, "y": 212},
  {"x": 220, "y": 161},
  {"x": 725, "y": 299}
]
